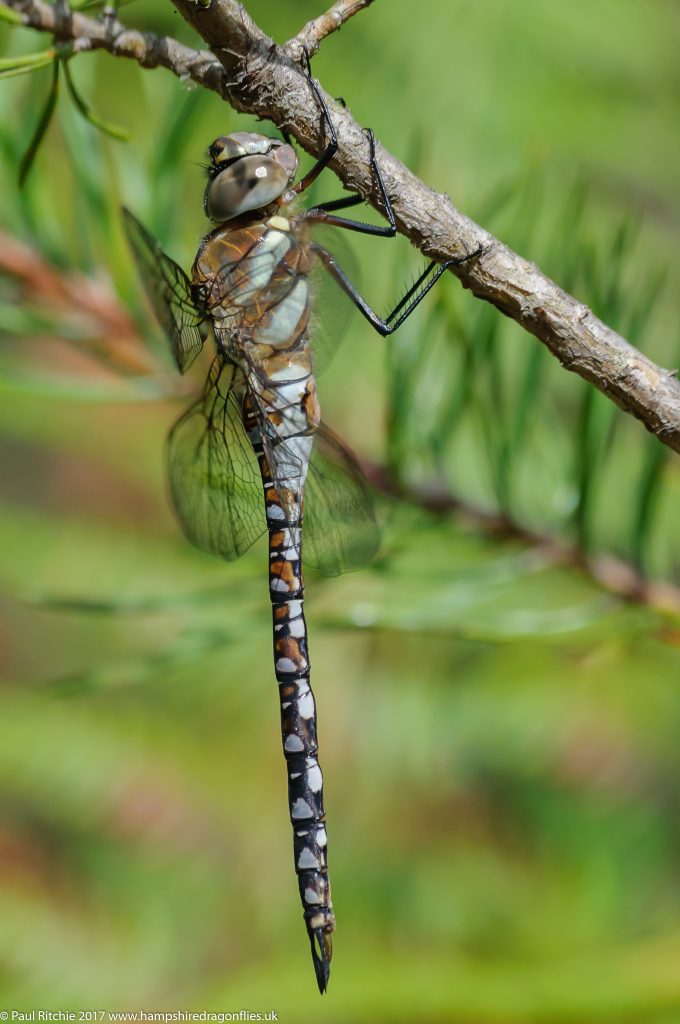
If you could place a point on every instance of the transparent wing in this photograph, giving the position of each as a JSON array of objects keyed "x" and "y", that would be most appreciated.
[
  {"x": 216, "y": 487},
  {"x": 331, "y": 308},
  {"x": 340, "y": 530},
  {"x": 169, "y": 291},
  {"x": 214, "y": 477}
]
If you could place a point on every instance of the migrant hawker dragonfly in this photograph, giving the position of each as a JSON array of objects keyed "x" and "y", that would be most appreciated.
[{"x": 252, "y": 455}]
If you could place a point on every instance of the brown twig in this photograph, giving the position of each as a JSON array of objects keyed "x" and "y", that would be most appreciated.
[
  {"x": 260, "y": 78},
  {"x": 613, "y": 574},
  {"x": 146, "y": 49},
  {"x": 109, "y": 332},
  {"x": 315, "y": 31}
]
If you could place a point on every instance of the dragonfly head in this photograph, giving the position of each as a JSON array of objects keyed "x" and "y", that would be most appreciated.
[{"x": 247, "y": 172}]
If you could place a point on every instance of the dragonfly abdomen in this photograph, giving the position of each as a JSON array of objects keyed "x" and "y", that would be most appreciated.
[
  {"x": 298, "y": 708},
  {"x": 305, "y": 781}
]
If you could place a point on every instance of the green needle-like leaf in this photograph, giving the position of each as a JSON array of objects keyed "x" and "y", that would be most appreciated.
[
  {"x": 42, "y": 126},
  {"x": 88, "y": 5},
  {"x": 83, "y": 108},
  {"x": 647, "y": 497},
  {"x": 22, "y": 70},
  {"x": 41, "y": 57},
  {"x": 27, "y": 62},
  {"x": 8, "y": 15},
  {"x": 528, "y": 394}
]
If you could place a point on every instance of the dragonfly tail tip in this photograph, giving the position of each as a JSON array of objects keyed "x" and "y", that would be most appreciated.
[{"x": 322, "y": 951}]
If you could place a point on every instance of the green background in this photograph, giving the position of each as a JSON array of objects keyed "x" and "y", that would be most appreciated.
[{"x": 499, "y": 734}]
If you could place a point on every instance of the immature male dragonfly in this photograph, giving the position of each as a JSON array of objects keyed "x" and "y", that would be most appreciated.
[{"x": 252, "y": 453}]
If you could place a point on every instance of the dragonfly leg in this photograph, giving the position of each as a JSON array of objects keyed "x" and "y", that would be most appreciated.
[
  {"x": 320, "y": 213},
  {"x": 413, "y": 297},
  {"x": 338, "y": 204},
  {"x": 327, "y": 124}
]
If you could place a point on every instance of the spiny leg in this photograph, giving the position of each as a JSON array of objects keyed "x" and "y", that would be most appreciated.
[
  {"x": 323, "y": 212},
  {"x": 327, "y": 123},
  {"x": 413, "y": 297},
  {"x": 338, "y": 204}
]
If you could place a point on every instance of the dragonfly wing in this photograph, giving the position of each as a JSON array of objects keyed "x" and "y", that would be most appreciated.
[
  {"x": 214, "y": 477},
  {"x": 331, "y": 307},
  {"x": 340, "y": 529},
  {"x": 169, "y": 291}
]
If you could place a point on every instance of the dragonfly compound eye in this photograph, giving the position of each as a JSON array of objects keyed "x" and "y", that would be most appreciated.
[
  {"x": 249, "y": 183},
  {"x": 230, "y": 147},
  {"x": 287, "y": 157},
  {"x": 227, "y": 148}
]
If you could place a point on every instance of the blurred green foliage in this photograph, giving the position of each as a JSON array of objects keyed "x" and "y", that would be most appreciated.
[{"x": 498, "y": 734}]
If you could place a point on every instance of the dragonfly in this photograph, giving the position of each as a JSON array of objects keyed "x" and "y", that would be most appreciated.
[{"x": 252, "y": 454}]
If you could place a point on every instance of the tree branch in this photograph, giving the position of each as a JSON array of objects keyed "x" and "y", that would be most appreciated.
[
  {"x": 614, "y": 575},
  {"x": 263, "y": 79},
  {"x": 89, "y": 311},
  {"x": 311, "y": 36},
  {"x": 148, "y": 50}
]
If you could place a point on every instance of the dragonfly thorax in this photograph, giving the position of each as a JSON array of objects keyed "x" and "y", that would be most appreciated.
[{"x": 248, "y": 172}]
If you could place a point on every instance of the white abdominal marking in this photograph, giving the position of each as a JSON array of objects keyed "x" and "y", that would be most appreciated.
[
  {"x": 306, "y": 705},
  {"x": 301, "y": 809},
  {"x": 285, "y": 666},
  {"x": 315, "y": 779},
  {"x": 307, "y": 860}
]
